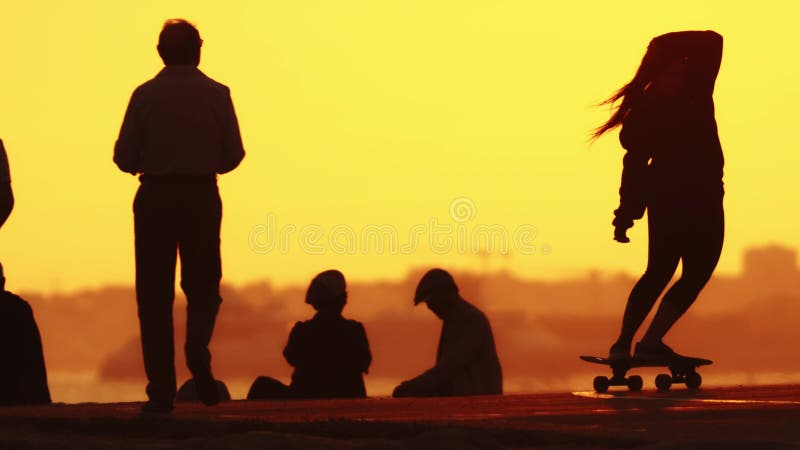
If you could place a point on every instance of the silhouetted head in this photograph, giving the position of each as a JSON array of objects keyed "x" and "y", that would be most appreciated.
[
  {"x": 671, "y": 81},
  {"x": 438, "y": 290},
  {"x": 659, "y": 74},
  {"x": 327, "y": 292},
  {"x": 179, "y": 43},
  {"x": 2, "y": 278}
]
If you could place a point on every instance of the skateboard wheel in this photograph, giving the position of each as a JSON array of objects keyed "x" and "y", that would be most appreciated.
[
  {"x": 693, "y": 380},
  {"x": 601, "y": 384},
  {"x": 663, "y": 382},
  {"x": 635, "y": 383}
]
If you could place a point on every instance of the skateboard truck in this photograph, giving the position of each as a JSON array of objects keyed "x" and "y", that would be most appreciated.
[
  {"x": 634, "y": 383},
  {"x": 679, "y": 375}
]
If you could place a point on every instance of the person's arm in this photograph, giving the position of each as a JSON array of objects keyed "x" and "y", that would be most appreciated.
[
  {"x": 128, "y": 151},
  {"x": 293, "y": 351},
  {"x": 362, "y": 352},
  {"x": 6, "y": 194},
  {"x": 703, "y": 51},
  {"x": 632, "y": 193},
  {"x": 450, "y": 363},
  {"x": 6, "y": 201},
  {"x": 636, "y": 137},
  {"x": 232, "y": 147}
]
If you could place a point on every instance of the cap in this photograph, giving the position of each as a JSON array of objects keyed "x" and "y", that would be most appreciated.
[
  {"x": 331, "y": 283},
  {"x": 435, "y": 281}
]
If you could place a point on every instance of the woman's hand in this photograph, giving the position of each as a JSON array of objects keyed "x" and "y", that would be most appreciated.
[{"x": 620, "y": 235}]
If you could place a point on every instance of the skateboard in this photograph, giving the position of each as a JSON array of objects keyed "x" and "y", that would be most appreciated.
[{"x": 683, "y": 370}]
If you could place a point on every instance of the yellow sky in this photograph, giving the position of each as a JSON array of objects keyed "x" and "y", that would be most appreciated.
[{"x": 358, "y": 113}]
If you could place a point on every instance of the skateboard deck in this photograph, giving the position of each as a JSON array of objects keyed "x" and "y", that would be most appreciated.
[
  {"x": 682, "y": 370},
  {"x": 632, "y": 363}
]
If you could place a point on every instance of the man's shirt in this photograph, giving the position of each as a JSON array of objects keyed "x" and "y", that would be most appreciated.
[
  {"x": 466, "y": 361},
  {"x": 180, "y": 122}
]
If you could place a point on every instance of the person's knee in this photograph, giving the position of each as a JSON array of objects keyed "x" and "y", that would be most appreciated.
[
  {"x": 155, "y": 291},
  {"x": 657, "y": 277},
  {"x": 695, "y": 275},
  {"x": 686, "y": 290},
  {"x": 691, "y": 285},
  {"x": 266, "y": 388},
  {"x": 155, "y": 308},
  {"x": 206, "y": 289},
  {"x": 202, "y": 305}
]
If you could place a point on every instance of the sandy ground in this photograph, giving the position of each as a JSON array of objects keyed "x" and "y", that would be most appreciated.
[{"x": 713, "y": 418}]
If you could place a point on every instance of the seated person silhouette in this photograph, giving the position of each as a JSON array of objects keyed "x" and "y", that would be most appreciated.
[
  {"x": 466, "y": 361},
  {"x": 6, "y": 195},
  {"x": 188, "y": 392},
  {"x": 329, "y": 353},
  {"x": 23, "y": 378}
]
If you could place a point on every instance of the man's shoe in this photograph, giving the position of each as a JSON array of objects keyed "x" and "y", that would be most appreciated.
[
  {"x": 207, "y": 390},
  {"x": 157, "y": 406}
]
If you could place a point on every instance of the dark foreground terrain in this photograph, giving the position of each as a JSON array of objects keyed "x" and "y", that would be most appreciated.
[{"x": 713, "y": 418}]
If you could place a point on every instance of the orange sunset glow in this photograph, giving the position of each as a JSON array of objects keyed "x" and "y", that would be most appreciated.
[
  {"x": 363, "y": 113},
  {"x": 383, "y": 138}
]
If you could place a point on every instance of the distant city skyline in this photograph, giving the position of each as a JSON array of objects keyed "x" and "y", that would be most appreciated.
[
  {"x": 549, "y": 322},
  {"x": 768, "y": 261}
]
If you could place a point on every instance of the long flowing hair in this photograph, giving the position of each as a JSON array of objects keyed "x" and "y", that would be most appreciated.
[{"x": 629, "y": 95}]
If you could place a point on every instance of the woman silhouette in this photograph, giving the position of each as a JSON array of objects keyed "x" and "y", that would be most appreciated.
[{"x": 673, "y": 168}]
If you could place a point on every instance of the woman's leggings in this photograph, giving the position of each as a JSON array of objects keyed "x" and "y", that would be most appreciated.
[{"x": 690, "y": 230}]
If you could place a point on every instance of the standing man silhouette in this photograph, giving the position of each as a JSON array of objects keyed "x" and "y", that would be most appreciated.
[
  {"x": 179, "y": 131},
  {"x": 6, "y": 195}
]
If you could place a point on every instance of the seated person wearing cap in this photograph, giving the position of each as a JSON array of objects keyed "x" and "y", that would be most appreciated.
[
  {"x": 23, "y": 378},
  {"x": 329, "y": 353},
  {"x": 466, "y": 362}
]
